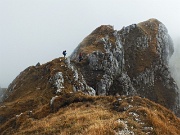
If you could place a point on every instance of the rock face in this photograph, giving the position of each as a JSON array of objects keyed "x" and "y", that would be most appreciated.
[
  {"x": 132, "y": 61},
  {"x": 128, "y": 63}
]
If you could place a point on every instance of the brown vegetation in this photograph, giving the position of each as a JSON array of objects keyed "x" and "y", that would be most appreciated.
[
  {"x": 93, "y": 42},
  {"x": 29, "y": 108},
  {"x": 77, "y": 113}
]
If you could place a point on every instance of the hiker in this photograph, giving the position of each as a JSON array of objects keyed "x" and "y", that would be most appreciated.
[
  {"x": 64, "y": 53},
  {"x": 80, "y": 57}
]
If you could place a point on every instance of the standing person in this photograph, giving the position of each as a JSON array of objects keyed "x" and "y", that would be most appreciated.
[
  {"x": 80, "y": 57},
  {"x": 64, "y": 53}
]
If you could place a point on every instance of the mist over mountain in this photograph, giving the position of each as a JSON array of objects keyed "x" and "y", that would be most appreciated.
[
  {"x": 41, "y": 28},
  {"x": 2, "y": 91},
  {"x": 115, "y": 82},
  {"x": 174, "y": 62}
]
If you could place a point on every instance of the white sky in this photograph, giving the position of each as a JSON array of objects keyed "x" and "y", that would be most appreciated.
[{"x": 34, "y": 31}]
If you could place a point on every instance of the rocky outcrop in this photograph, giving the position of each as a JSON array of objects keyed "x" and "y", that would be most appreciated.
[
  {"x": 125, "y": 63},
  {"x": 132, "y": 61},
  {"x": 54, "y": 77}
]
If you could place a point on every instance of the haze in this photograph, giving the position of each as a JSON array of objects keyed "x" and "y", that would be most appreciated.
[{"x": 33, "y": 31}]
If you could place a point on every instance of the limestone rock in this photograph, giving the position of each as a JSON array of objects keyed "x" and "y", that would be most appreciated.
[{"x": 132, "y": 61}]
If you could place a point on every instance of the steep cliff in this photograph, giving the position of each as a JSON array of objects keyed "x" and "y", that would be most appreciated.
[{"x": 132, "y": 61}]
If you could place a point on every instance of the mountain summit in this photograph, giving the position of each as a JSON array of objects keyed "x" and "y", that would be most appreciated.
[
  {"x": 132, "y": 61},
  {"x": 120, "y": 72}
]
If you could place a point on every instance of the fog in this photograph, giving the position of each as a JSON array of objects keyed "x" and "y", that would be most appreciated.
[
  {"x": 174, "y": 62},
  {"x": 33, "y": 31},
  {"x": 2, "y": 91}
]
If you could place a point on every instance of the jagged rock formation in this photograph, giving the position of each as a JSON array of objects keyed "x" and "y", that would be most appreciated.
[{"x": 132, "y": 61}]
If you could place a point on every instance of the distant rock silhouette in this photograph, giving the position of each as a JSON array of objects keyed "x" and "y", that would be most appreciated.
[{"x": 38, "y": 64}]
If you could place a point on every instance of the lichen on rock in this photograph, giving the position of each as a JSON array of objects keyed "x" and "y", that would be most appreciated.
[
  {"x": 58, "y": 81},
  {"x": 132, "y": 61}
]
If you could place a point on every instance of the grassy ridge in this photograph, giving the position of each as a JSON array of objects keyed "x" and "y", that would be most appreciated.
[{"x": 77, "y": 113}]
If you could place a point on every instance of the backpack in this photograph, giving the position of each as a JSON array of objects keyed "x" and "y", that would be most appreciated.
[{"x": 64, "y": 53}]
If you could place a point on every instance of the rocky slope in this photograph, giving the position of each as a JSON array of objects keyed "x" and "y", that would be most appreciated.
[
  {"x": 58, "y": 97},
  {"x": 132, "y": 61}
]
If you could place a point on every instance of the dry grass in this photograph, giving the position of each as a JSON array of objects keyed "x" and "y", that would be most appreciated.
[
  {"x": 29, "y": 111},
  {"x": 93, "y": 42},
  {"x": 79, "y": 114},
  {"x": 161, "y": 119},
  {"x": 84, "y": 119}
]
